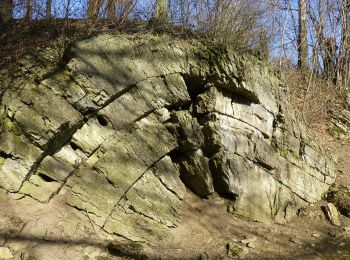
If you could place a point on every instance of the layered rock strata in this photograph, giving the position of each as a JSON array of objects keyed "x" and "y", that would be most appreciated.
[{"x": 121, "y": 123}]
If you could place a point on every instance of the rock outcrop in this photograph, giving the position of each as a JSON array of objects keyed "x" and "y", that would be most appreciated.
[{"x": 121, "y": 123}]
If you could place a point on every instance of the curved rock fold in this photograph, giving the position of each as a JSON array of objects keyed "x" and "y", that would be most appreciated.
[{"x": 121, "y": 123}]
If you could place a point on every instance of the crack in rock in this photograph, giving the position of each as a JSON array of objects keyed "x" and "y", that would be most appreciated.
[{"x": 120, "y": 125}]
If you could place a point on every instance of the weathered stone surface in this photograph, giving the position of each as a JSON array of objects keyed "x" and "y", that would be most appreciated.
[
  {"x": 128, "y": 183},
  {"x": 47, "y": 119},
  {"x": 17, "y": 158},
  {"x": 243, "y": 138},
  {"x": 39, "y": 189},
  {"x": 236, "y": 251},
  {"x": 187, "y": 131},
  {"x": 332, "y": 214},
  {"x": 50, "y": 176},
  {"x": 153, "y": 201},
  {"x": 128, "y": 154},
  {"x": 5, "y": 253},
  {"x": 148, "y": 95},
  {"x": 111, "y": 126},
  {"x": 93, "y": 194},
  {"x": 196, "y": 174},
  {"x": 91, "y": 136},
  {"x": 339, "y": 195}
]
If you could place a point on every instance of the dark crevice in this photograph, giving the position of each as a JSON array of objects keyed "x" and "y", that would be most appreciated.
[
  {"x": 229, "y": 196},
  {"x": 239, "y": 98},
  {"x": 37, "y": 81},
  {"x": 88, "y": 114},
  {"x": 6, "y": 155},
  {"x": 176, "y": 155},
  {"x": 179, "y": 106},
  {"x": 74, "y": 145},
  {"x": 302, "y": 148},
  {"x": 143, "y": 115},
  {"x": 102, "y": 120},
  {"x": 195, "y": 85},
  {"x": 129, "y": 250},
  {"x": 110, "y": 182},
  {"x": 264, "y": 165},
  {"x": 46, "y": 178}
]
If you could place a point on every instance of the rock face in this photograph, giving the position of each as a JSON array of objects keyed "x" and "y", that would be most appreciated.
[
  {"x": 339, "y": 195},
  {"x": 120, "y": 123}
]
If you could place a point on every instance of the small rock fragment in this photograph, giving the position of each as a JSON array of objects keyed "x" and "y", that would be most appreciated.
[
  {"x": 219, "y": 201},
  {"x": 248, "y": 240},
  {"x": 204, "y": 256},
  {"x": 236, "y": 251},
  {"x": 315, "y": 235},
  {"x": 332, "y": 214}
]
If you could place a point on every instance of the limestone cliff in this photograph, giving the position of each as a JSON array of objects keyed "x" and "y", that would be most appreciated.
[{"x": 121, "y": 124}]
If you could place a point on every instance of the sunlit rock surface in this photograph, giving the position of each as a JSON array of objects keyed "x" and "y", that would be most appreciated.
[{"x": 119, "y": 125}]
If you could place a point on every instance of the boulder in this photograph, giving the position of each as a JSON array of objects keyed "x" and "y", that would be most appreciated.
[{"x": 332, "y": 214}]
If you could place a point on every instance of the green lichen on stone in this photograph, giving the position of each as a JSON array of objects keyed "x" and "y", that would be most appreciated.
[
  {"x": 2, "y": 161},
  {"x": 11, "y": 126},
  {"x": 287, "y": 153}
]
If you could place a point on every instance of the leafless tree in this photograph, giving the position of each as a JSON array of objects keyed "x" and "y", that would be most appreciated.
[
  {"x": 161, "y": 11},
  {"x": 48, "y": 9},
  {"x": 29, "y": 10},
  {"x": 302, "y": 36},
  {"x": 6, "y": 7}
]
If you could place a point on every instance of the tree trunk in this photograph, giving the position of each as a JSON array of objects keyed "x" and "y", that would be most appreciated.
[
  {"x": 93, "y": 8},
  {"x": 111, "y": 9},
  {"x": 330, "y": 47},
  {"x": 346, "y": 71},
  {"x": 161, "y": 12},
  {"x": 48, "y": 9},
  {"x": 302, "y": 37},
  {"x": 6, "y": 7},
  {"x": 343, "y": 66},
  {"x": 29, "y": 10}
]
